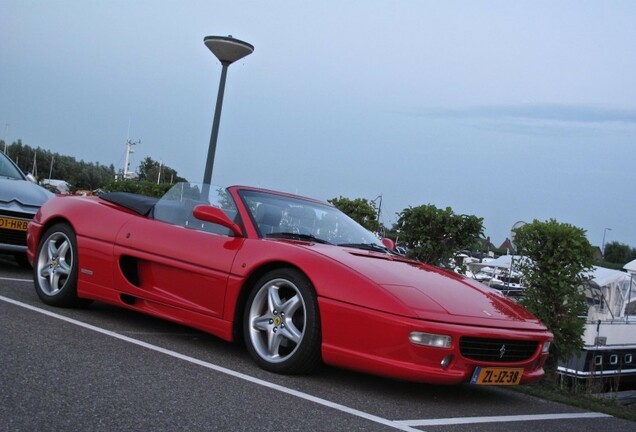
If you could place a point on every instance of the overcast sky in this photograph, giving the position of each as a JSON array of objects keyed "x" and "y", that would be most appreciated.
[{"x": 507, "y": 110}]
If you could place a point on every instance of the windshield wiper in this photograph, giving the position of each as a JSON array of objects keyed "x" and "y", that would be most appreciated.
[
  {"x": 367, "y": 246},
  {"x": 296, "y": 236}
]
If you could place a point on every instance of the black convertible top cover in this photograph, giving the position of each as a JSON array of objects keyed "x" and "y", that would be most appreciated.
[{"x": 141, "y": 204}]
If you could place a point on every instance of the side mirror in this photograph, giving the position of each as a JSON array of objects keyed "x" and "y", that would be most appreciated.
[
  {"x": 390, "y": 244},
  {"x": 215, "y": 215}
]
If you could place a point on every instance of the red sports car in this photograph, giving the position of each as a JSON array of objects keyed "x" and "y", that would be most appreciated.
[{"x": 297, "y": 279}]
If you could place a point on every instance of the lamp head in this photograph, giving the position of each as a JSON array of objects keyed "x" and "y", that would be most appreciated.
[{"x": 227, "y": 49}]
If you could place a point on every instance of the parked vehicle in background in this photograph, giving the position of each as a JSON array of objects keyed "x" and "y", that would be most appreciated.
[{"x": 20, "y": 199}]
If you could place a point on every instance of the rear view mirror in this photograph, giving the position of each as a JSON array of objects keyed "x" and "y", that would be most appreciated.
[
  {"x": 390, "y": 244},
  {"x": 215, "y": 215}
]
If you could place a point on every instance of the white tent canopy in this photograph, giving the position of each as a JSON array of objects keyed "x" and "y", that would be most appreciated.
[
  {"x": 610, "y": 293},
  {"x": 504, "y": 261},
  {"x": 630, "y": 267},
  {"x": 603, "y": 276}
]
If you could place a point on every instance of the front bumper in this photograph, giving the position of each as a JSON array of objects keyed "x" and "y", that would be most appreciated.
[{"x": 376, "y": 342}]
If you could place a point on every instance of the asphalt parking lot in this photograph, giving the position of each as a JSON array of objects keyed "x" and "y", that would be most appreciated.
[{"x": 103, "y": 368}]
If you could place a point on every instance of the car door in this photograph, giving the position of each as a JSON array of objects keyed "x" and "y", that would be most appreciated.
[{"x": 179, "y": 266}]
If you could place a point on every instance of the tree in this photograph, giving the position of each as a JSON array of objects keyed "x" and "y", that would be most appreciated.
[
  {"x": 360, "y": 210},
  {"x": 434, "y": 235},
  {"x": 80, "y": 175},
  {"x": 85, "y": 175},
  {"x": 619, "y": 253},
  {"x": 153, "y": 171},
  {"x": 560, "y": 257}
]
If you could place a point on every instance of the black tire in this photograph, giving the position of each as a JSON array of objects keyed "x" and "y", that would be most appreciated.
[
  {"x": 55, "y": 268},
  {"x": 22, "y": 260},
  {"x": 281, "y": 323}
]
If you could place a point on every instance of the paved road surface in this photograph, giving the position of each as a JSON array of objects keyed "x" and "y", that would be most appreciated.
[{"x": 107, "y": 369}]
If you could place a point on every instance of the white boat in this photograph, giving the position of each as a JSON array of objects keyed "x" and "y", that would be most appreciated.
[
  {"x": 609, "y": 350},
  {"x": 500, "y": 273}
]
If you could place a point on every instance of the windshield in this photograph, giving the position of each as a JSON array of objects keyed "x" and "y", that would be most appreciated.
[
  {"x": 8, "y": 169},
  {"x": 280, "y": 215},
  {"x": 177, "y": 205}
]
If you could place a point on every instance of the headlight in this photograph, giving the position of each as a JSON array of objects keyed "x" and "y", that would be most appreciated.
[
  {"x": 429, "y": 339},
  {"x": 546, "y": 348}
]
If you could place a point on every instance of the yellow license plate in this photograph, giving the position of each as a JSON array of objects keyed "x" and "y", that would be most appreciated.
[
  {"x": 497, "y": 376},
  {"x": 13, "y": 224}
]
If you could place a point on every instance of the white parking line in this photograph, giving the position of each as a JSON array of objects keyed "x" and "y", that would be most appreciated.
[
  {"x": 298, "y": 394},
  {"x": 500, "y": 419},
  {"x": 404, "y": 425},
  {"x": 16, "y": 280}
]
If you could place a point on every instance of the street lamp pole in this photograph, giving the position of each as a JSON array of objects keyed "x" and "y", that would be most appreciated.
[
  {"x": 604, "y": 232},
  {"x": 378, "y": 210},
  {"x": 6, "y": 128},
  {"x": 227, "y": 50}
]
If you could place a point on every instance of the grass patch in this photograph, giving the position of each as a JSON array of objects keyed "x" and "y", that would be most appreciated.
[{"x": 580, "y": 398}]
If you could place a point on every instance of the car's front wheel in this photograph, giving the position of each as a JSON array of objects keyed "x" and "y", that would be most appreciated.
[
  {"x": 281, "y": 324},
  {"x": 55, "y": 267}
]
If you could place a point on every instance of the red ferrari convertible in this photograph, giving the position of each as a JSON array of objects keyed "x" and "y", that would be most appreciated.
[{"x": 296, "y": 278}]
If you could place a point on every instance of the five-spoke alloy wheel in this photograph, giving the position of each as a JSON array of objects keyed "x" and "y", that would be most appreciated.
[
  {"x": 55, "y": 267},
  {"x": 281, "y": 323}
]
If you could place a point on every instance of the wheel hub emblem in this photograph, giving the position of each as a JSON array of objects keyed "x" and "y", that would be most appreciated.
[{"x": 277, "y": 320}]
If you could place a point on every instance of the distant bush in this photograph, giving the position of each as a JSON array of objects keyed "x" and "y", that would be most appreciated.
[
  {"x": 434, "y": 235},
  {"x": 560, "y": 257},
  {"x": 138, "y": 187},
  {"x": 609, "y": 265}
]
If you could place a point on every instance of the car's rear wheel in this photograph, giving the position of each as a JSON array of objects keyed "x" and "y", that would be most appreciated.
[
  {"x": 281, "y": 324},
  {"x": 55, "y": 267}
]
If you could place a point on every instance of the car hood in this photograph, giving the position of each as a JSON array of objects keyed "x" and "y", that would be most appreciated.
[
  {"x": 23, "y": 193},
  {"x": 430, "y": 291}
]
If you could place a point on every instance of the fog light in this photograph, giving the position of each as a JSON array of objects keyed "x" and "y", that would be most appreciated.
[
  {"x": 546, "y": 348},
  {"x": 429, "y": 339},
  {"x": 446, "y": 361}
]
